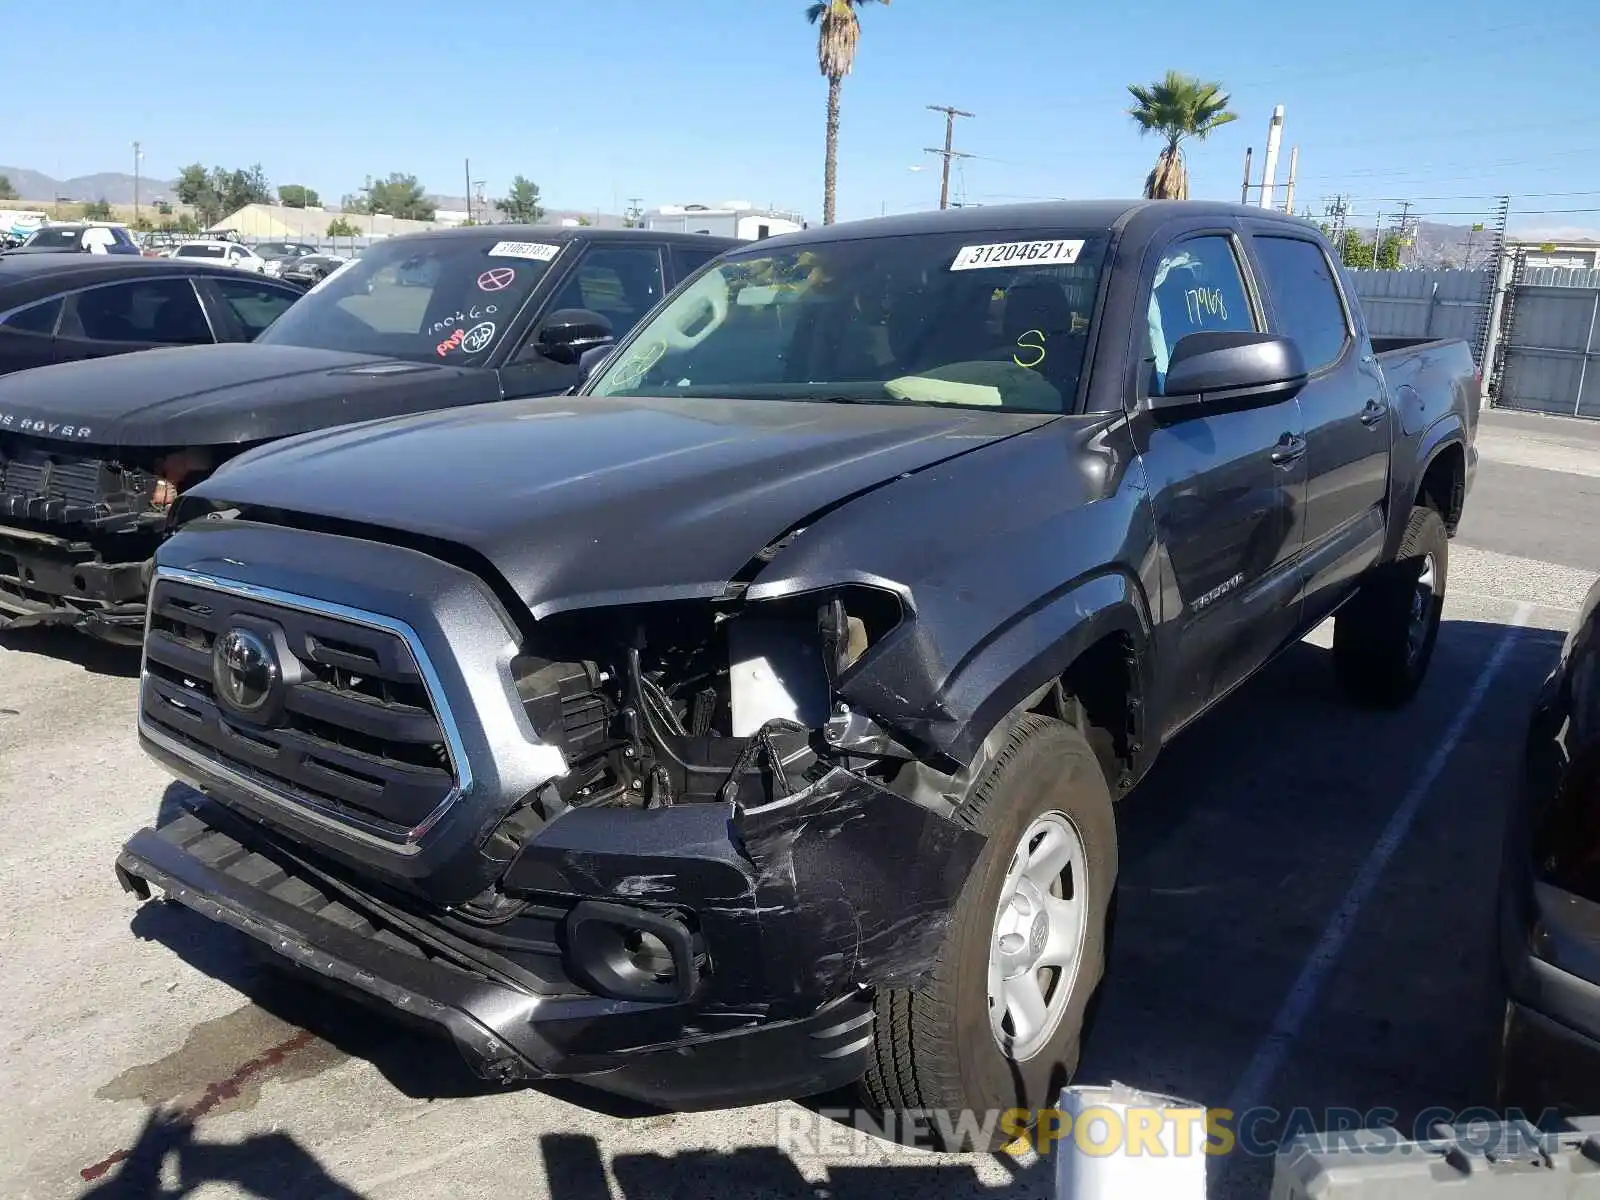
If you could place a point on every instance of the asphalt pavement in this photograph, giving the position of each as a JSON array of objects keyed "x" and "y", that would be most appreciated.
[{"x": 1304, "y": 926}]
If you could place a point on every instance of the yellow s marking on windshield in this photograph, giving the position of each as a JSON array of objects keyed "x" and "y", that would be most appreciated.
[{"x": 1034, "y": 349}]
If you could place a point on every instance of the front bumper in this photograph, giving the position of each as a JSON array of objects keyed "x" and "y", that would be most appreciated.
[
  {"x": 771, "y": 1021},
  {"x": 51, "y": 580}
]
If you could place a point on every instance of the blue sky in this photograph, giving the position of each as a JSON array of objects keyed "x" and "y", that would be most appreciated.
[{"x": 1442, "y": 103}]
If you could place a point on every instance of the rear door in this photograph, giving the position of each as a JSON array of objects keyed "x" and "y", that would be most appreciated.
[
  {"x": 1346, "y": 412},
  {"x": 27, "y": 335},
  {"x": 135, "y": 314},
  {"x": 1227, "y": 482}
]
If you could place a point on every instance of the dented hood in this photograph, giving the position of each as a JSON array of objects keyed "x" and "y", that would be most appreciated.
[{"x": 584, "y": 500}]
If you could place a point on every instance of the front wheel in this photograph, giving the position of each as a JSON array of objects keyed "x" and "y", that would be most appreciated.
[
  {"x": 998, "y": 1025},
  {"x": 1383, "y": 638}
]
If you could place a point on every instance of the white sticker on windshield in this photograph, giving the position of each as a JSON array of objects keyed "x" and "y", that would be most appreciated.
[
  {"x": 1017, "y": 254},
  {"x": 538, "y": 251}
]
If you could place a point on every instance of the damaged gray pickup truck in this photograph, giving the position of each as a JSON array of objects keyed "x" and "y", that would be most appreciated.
[{"x": 749, "y": 722}]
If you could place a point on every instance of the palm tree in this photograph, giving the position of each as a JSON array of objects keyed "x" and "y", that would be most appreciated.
[
  {"x": 1177, "y": 107},
  {"x": 838, "y": 32}
]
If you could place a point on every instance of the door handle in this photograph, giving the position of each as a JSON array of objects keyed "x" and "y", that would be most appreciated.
[
  {"x": 1373, "y": 412},
  {"x": 1289, "y": 449}
]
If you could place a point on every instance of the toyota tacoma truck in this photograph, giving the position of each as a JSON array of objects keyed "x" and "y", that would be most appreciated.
[
  {"x": 749, "y": 722},
  {"x": 93, "y": 454}
]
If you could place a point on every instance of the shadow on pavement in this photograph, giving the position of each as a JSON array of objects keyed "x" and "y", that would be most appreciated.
[
  {"x": 575, "y": 1169},
  {"x": 92, "y": 654},
  {"x": 272, "y": 1166}
]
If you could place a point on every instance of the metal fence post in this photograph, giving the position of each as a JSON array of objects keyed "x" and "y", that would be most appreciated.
[
  {"x": 1489, "y": 366},
  {"x": 1588, "y": 349}
]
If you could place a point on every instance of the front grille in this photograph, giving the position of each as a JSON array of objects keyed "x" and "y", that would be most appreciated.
[
  {"x": 355, "y": 733},
  {"x": 56, "y": 487}
]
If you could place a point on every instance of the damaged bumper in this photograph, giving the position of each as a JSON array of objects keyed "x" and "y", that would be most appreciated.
[
  {"x": 693, "y": 956},
  {"x": 51, "y": 580}
]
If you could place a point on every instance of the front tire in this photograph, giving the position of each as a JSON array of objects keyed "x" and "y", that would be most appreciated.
[
  {"x": 998, "y": 1024},
  {"x": 1383, "y": 638}
]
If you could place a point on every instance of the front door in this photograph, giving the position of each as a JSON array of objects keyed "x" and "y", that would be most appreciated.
[
  {"x": 1227, "y": 483},
  {"x": 1347, "y": 417},
  {"x": 621, "y": 281}
]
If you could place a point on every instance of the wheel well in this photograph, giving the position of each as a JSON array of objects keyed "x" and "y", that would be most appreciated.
[
  {"x": 1444, "y": 484},
  {"x": 1099, "y": 693}
]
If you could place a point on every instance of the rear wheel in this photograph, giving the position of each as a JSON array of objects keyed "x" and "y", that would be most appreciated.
[
  {"x": 998, "y": 1025},
  {"x": 1383, "y": 638}
]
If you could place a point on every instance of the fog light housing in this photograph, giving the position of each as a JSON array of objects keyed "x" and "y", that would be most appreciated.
[{"x": 631, "y": 954}]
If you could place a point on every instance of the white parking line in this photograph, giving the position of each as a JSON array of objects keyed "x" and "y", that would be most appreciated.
[{"x": 1252, "y": 1087}]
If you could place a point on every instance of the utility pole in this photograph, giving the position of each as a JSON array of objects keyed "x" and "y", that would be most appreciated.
[
  {"x": 1337, "y": 210},
  {"x": 467, "y": 162},
  {"x": 635, "y": 213},
  {"x": 1244, "y": 190},
  {"x": 137, "y": 155},
  {"x": 1405, "y": 213},
  {"x": 1269, "y": 169},
  {"x": 1288, "y": 195},
  {"x": 949, "y": 152}
]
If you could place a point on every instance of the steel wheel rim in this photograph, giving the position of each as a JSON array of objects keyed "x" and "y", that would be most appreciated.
[
  {"x": 1423, "y": 596},
  {"x": 1036, "y": 947}
]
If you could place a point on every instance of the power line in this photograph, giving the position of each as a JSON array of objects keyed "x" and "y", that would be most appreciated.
[
  {"x": 1485, "y": 196},
  {"x": 948, "y": 153}
]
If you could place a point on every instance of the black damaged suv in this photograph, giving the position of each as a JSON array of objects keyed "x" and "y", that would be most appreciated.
[{"x": 749, "y": 722}]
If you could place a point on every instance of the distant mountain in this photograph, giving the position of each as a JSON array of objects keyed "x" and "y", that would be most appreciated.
[{"x": 114, "y": 187}]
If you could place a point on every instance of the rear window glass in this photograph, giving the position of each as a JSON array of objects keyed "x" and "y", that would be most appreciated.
[
  {"x": 36, "y": 318},
  {"x": 200, "y": 252}
]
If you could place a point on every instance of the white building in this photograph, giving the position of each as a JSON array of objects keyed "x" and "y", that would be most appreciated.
[
  {"x": 1580, "y": 253},
  {"x": 732, "y": 218}
]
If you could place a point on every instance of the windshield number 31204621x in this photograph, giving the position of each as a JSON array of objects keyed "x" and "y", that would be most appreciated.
[{"x": 1017, "y": 254}]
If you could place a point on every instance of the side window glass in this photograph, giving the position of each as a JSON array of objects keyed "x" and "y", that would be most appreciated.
[
  {"x": 690, "y": 259},
  {"x": 1198, "y": 288},
  {"x": 165, "y": 311},
  {"x": 1305, "y": 297},
  {"x": 36, "y": 318},
  {"x": 255, "y": 305},
  {"x": 621, "y": 283}
]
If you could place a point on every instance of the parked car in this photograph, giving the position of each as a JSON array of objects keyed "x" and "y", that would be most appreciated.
[
  {"x": 278, "y": 255},
  {"x": 749, "y": 722},
  {"x": 1550, "y": 890},
  {"x": 92, "y": 237},
  {"x": 433, "y": 320},
  {"x": 311, "y": 269},
  {"x": 60, "y": 308},
  {"x": 232, "y": 253}
]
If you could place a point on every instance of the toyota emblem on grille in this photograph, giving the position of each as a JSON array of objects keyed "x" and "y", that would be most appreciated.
[{"x": 244, "y": 669}]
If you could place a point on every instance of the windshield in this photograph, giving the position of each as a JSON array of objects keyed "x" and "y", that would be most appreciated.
[
  {"x": 426, "y": 299},
  {"x": 994, "y": 318}
]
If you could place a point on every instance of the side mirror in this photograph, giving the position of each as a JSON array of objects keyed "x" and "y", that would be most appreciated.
[
  {"x": 569, "y": 333},
  {"x": 1222, "y": 367}
]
